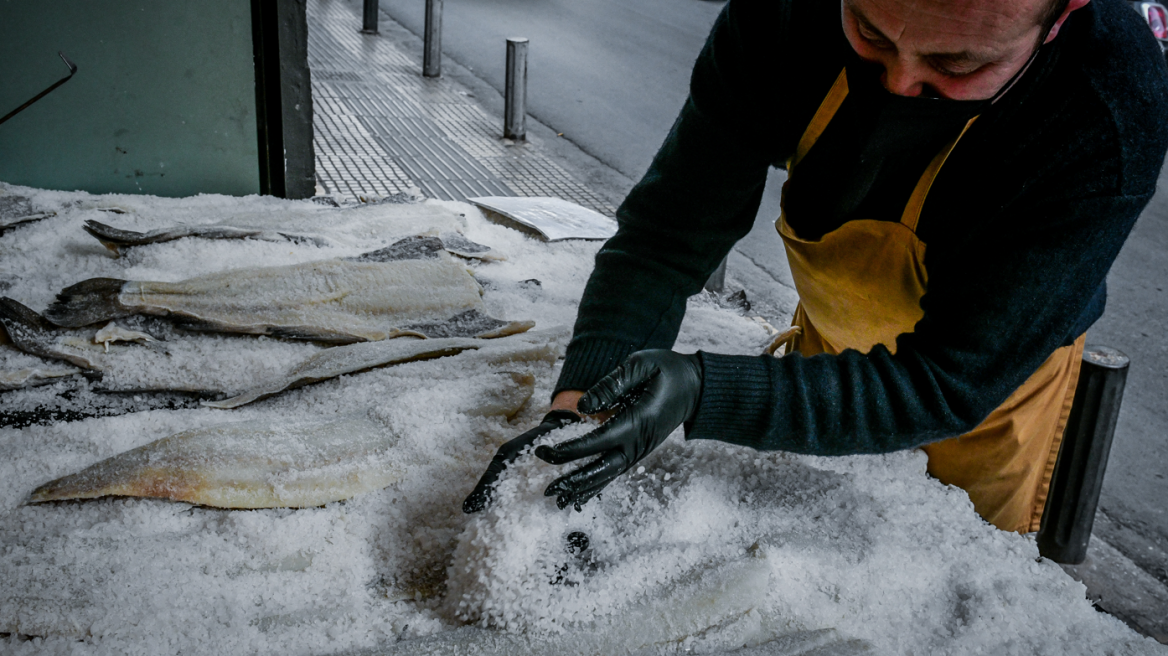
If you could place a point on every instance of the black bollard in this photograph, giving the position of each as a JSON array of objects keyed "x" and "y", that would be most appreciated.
[
  {"x": 369, "y": 17},
  {"x": 1069, "y": 514},
  {"x": 515, "y": 90},
  {"x": 432, "y": 42}
]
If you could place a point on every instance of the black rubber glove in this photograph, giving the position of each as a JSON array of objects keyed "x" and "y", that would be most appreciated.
[
  {"x": 654, "y": 392},
  {"x": 481, "y": 495}
]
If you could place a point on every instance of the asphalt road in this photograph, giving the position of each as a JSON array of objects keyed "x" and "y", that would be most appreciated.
[{"x": 611, "y": 75}]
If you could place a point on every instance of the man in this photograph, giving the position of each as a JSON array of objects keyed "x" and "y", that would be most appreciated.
[{"x": 961, "y": 175}]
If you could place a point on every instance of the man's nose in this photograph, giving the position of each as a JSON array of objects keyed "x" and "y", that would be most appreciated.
[{"x": 902, "y": 78}]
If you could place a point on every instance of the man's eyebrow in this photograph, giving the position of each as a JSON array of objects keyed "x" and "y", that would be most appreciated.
[
  {"x": 863, "y": 20},
  {"x": 955, "y": 59}
]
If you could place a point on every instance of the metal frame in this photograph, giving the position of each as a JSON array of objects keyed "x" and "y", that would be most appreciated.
[{"x": 287, "y": 161}]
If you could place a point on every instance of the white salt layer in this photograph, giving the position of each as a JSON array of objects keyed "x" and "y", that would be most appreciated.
[{"x": 710, "y": 548}]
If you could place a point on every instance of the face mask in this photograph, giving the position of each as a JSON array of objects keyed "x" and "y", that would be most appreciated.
[
  {"x": 924, "y": 115},
  {"x": 880, "y": 133},
  {"x": 904, "y": 122}
]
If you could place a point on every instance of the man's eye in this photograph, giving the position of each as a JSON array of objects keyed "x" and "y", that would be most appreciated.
[
  {"x": 954, "y": 71},
  {"x": 871, "y": 37}
]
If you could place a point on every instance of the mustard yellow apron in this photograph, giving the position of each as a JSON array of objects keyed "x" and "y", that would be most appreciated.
[{"x": 861, "y": 285}]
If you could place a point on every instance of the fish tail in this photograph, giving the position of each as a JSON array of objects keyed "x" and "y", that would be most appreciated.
[
  {"x": 16, "y": 315},
  {"x": 88, "y": 302},
  {"x": 50, "y": 491},
  {"x": 113, "y": 238},
  {"x": 31, "y": 333},
  {"x": 74, "y": 486}
]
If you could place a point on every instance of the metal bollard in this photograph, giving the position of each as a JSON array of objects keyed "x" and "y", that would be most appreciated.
[
  {"x": 1069, "y": 514},
  {"x": 369, "y": 17},
  {"x": 515, "y": 93},
  {"x": 432, "y": 55}
]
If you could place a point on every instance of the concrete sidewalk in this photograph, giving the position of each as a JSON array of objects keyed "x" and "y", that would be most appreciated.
[{"x": 383, "y": 129}]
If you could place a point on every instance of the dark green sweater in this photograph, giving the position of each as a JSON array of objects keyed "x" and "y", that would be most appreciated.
[{"x": 1021, "y": 227}]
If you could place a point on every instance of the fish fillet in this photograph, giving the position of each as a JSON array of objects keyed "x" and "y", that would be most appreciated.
[
  {"x": 259, "y": 464},
  {"x": 335, "y": 301},
  {"x": 354, "y": 358},
  {"x": 117, "y": 240},
  {"x": 302, "y": 224},
  {"x": 18, "y": 370},
  {"x": 201, "y": 364},
  {"x": 15, "y": 210},
  {"x": 31, "y": 333}
]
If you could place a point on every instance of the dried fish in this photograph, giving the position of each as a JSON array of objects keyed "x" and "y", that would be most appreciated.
[
  {"x": 206, "y": 365},
  {"x": 342, "y": 227},
  {"x": 353, "y": 358},
  {"x": 271, "y": 464},
  {"x": 186, "y": 365},
  {"x": 116, "y": 239},
  {"x": 31, "y": 333},
  {"x": 337, "y": 301},
  {"x": 18, "y": 370},
  {"x": 15, "y": 210}
]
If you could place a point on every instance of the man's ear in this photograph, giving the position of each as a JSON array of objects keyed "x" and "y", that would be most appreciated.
[{"x": 1071, "y": 6}]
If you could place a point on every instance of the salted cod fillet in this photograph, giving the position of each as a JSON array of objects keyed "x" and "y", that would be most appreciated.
[
  {"x": 13, "y": 342},
  {"x": 355, "y": 358},
  {"x": 117, "y": 239},
  {"x": 300, "y": 222},
  {"x": 15, "y": 210},
  {"x": 32, "y": 334},
  {"x": 337, "y": 301},
  {"x": 258, "y": 464},
  {"x": 20, "y": 375}
]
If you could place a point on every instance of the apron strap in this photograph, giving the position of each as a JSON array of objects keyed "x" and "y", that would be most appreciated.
[
  {"x": 912, "y": 211},
  {"x": 823, "y": 115}
]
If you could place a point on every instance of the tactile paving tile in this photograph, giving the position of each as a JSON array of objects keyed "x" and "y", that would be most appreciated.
[{"x": 382, "y": 128}]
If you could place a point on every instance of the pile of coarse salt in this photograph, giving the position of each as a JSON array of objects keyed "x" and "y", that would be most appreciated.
[{"x": 703, "y": 548}]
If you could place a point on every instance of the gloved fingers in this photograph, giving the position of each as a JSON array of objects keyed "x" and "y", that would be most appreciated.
[
  {"x": 597, "y": 473},
  {"x": 481, "y": 495},
  {"x": 578, "y": 500},
  {"x": 610, "y": 435},
  {"x": 612, "y": 388}
]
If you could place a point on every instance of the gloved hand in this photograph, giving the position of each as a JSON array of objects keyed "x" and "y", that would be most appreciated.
[
  {"x": 481, "y": 495},
  {"x": 654, "y": 392}
]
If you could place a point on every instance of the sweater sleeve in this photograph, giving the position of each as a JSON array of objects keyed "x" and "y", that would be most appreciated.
[
  {"x": 699, "y": 197},
  {"x": 993, "y": 313}
]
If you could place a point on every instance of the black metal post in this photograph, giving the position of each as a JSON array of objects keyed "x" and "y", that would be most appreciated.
[
  {"x": 1069, "y": 514},
  {"x": 283, "y": 98},
  {"x": 432, "y": 46},
  {"x": 369, "y": 17},
  {"x": 515, "y": 90}
]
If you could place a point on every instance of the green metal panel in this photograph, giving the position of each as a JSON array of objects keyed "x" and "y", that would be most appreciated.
[{"x": 163, "y": 101}]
